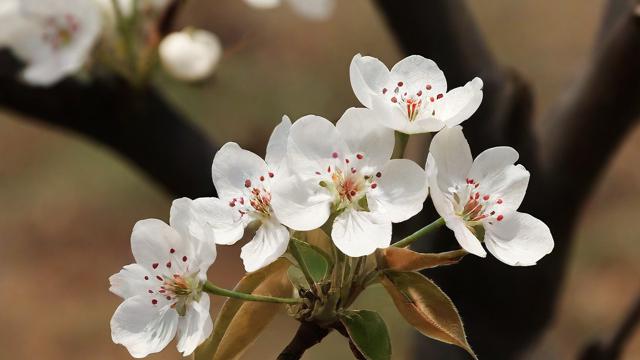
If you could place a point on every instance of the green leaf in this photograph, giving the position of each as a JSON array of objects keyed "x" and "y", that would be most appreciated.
[
  {"x": 368, "y": 332},
  {"x": 238, "y": 323},
  {"x": 426, "y": 307},
  {"x": 315, "y": 260},
  {"x": 403, "y": 259},
  {"x": 297, "y": 278}
]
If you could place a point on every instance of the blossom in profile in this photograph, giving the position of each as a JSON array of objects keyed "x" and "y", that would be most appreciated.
[
  {"x": 190, "y": 54},
  {"x": 244, "y": 182},
  {"x": 412, "y": 97},
  {"x": 162, "y": 290},
  {"x": 53, "y": 37},
  {"x": 345, "y": 171},
  {"x": 311, "y": 9},
  {"x": 478, "y": 199}
]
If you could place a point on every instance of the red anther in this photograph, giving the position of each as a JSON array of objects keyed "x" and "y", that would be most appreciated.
[
  {"x": 184, "y": 258},
  {"x": 354, "y": 170},
  {"x": 374, "y": 185},
  {"x": 146, "y": 278},
  {"x": 477, "y": 196},
  {"x": 378, "y": 174},
  {"x": 154, "y": 301},
  {"x": 394, "y": 100},
  {"x": 247, "y": 183},
  {"x": 172, "y": 250},
  {"x": 352, "y": 193},
  {"x": 500, "y": 217},
  {"x": 159, "y": 278},
  {"x": 318, "y": 173},
  {"x": 154, "y": 265},
  {"x": 476, "y": 185},
  {"x": 439, "y": 96},
  {"x": 334, "y": 155},
  {"x": 232, "y": 203},
  {"x": 493, "y": 213},
  {"x": 270, "y": 174},
  {"x": 432, "y": 99},
  {"x": 360, "y": 156},
  {"x": 346, "y": 161},
  {"x": 419, "y": 93},
  {"x": 168, "y": 297},
  {"x": 261, "y": 178},
  {"x": 499, "y": 201},
  {"x": 150, "y": 291},
  {"x": 400, "y": 83},
  {"x": 384, "y": 91},
  {"x": 329, "y": 168},
  {"x": 169, "y": 264},
  {"x": 162, "y": 291},
  {"x": 428, "y": 87},
  {"x": 485, "y": 198}
]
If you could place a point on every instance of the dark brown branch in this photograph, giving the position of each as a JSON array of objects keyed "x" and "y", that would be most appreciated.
[
  {"x": 139, "y": 124},
  {"x": 308, "y": 335},
  {"x": 613, "y": 349}
]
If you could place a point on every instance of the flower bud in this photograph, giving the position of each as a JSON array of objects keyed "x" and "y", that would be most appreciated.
[{"x": 190, "y": 55}]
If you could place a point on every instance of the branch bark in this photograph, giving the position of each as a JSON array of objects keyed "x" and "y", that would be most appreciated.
[
  {"x": 583, "y": 133},
  {"x": 138, "y": 124},
  {"x": 308, "y": 335}
]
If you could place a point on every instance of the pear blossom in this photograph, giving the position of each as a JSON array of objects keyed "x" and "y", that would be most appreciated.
[
  {"x": 191, "y": 54},
  {"x": 345, "y": 171},
  {"x": 412, "y": 97},
  {"x": 311, "y": 9},
  {"x": 478, "y": 199},
  {"x": 53, "y": 37},
  {"x": 162, "y": 290},
  {"x": 244, "y": 181},
  {"x": 127, "y": 6}
]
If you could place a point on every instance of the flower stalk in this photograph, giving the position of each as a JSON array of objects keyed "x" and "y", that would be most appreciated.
[
  {"x": 210, "y": 288},
  {"x": 420, "y": 233}
]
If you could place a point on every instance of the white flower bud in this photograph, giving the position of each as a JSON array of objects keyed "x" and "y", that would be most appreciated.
[{"x": 190, "y": 55}]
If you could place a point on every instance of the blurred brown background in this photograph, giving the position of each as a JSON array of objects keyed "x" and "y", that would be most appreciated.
[{"x": 68, "y": 205}]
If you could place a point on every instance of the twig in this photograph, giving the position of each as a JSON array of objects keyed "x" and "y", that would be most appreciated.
[{"x": 308, "y": 335}]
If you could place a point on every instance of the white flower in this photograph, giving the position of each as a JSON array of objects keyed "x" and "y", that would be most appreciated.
[
  {"x": 162, "y": 291},
  {"x": 243, "y": 181},
  {"x": 190, "y": 55},
  {"x": 345, "y": 170},
  {"x": 481, "y": 196},
  {"x": 53, "y": 37},
  {"x": 312, "y": 9},
  {"x": 412, "y": 97},
  {"x": 126, "y": 6}
]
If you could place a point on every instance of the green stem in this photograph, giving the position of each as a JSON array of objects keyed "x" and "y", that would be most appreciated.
[
  {"x": 401, "y": 144},
  {"x": 420, "y": 233},
  {"x": 208, "y": 287}
]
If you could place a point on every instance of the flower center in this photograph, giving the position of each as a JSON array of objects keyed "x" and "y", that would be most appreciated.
[
  {"x": 59, "y": 31},
  {"x": 257, "y": 198},
  {"x": 347, "y": 181},
  {"x": 413, "y": 100},
  {"x": 475, "y": 207}
]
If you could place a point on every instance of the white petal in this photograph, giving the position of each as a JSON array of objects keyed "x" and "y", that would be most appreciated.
[
  {"x": 143, "y": 328},
  {"x": 277, "y": 146},
  {"x": 263, "y": 4},
  {"x": 195, "y": 326},
  {"x": 313, "y": 141},
  {"x": 191, "y": 54},
  {"x": 300, "y": 204},
  {"x": 392, "y": 116},
  {"x": 360, "y": 233},
  {"x": 220, "y": 218},
  {"x": 519, "y": 239},
  {"x": 417, "y": 70},
  {"x": 493, "y": 169},
  {"x": 186, "y": 222},
  {"x": 465, "y": 237},
  {"x": 368, "y": 77},
  {"x": 460, "y": 103},
  {"x": 452, "y": 156},
  {"x": 232, "y": 167},
  {"x": 130, "y": 281},
  {"x": 363, "y": 134},
  {"x": 152, "y": 241},
  {"x": 400, "y": 192},
  {"x": 314, "y": 9},
  {"x": 267, "y": 246}
]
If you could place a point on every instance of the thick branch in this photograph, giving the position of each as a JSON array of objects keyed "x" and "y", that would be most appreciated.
[
  {"x": 308, "y": 335},
  {"x": 139, "y": 124}
]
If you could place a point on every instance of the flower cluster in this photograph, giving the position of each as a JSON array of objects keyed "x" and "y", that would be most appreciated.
[{"x": 343, "y": 179}]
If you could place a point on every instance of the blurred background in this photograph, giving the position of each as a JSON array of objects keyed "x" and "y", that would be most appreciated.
[{"x": 68, "y": 205}]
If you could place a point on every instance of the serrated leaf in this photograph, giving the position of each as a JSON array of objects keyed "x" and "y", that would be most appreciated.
[
  {"x": 315, "y": 260},
  {"x": 239, "y": 323},
  {"x": 426, "y": 307},
  {"x": 368, "y": 332},
  {"x": 405, "y": 260}
]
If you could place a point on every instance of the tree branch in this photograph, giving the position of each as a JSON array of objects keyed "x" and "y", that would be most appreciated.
[
  {"x": 308, "y": 335},
  {"x": 139, "y": 124}
]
